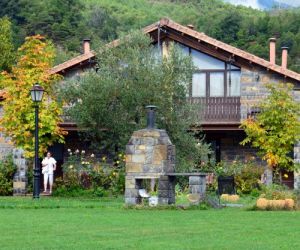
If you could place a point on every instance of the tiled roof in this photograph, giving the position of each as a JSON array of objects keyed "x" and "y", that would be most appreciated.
[
  {"x": 165, "y": 22},
  {"x": 72, "y": 62},
  {"x": 226, "y": 47}
]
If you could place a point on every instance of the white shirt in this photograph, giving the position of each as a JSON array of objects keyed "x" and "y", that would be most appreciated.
[{"x": 49, "y": 163}]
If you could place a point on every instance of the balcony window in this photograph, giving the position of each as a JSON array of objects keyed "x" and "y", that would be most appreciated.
[
  {"x": 199, "y": 85},
  {"x": 203, "y": 61},
  {"x": 213, "y": 77},
  {"x": 233, "y": 83},
  {"x": 216, "y": 84}
]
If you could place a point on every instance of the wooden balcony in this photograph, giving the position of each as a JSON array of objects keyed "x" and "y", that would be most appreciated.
[{"x": 218, "y": 109}]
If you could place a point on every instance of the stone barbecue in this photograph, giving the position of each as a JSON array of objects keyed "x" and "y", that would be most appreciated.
[{"x": 150, "y": 154}]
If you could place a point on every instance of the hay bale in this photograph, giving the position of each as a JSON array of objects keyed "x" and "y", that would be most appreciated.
[
  {"x": 276, "y": 204},
  {"x": 289, "y": 204},
  {"x": 262, "y": 203},
  {"x": 234, "y": 197},
  {"x": 225, "y": 197}
]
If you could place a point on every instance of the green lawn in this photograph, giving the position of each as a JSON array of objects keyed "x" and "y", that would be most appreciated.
[{"x": 56, "y": 223}]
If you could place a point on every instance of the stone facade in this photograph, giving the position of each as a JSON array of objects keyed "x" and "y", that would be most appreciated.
[
  {"x": 297, "y": 160},
  {"x": 232, "y": 150},
  {"x": 252, "y": 92},
  {"x": 150, "y": 155},
  {"x": 253, "y": 87},
  {"x": 20, "y": 178},
  {"x": 6, "y": 146}
]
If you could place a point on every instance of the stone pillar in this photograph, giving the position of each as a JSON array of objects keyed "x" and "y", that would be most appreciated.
[
  {"x": 197, "y": 184},
  {"x": 20, "y": 179},
  {"x": 268, "y": 176},
  {"x": 131, "y": 190},
  {"x": 166, "y": 190},
  {"x": 297, "y": 160}
]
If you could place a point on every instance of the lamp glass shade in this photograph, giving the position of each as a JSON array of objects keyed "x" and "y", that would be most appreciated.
[{"x": 37, "y": 93}]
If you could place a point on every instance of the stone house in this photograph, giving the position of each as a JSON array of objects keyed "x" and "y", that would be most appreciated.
[{"x": 228, "y": 82}]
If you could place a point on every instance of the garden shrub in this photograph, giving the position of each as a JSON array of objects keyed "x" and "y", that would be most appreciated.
[
  {"x": 297, "y": 198},
  {"x": 247, "y": 175},
  {"x": 7, "y": 171},
  {"x": 277, "y": 192},
  {"x": 88, "y": 175},
  {"x": 248, "y": 178}
]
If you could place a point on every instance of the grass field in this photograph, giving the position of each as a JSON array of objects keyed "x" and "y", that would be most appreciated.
[{"x": 56, "y": 223}]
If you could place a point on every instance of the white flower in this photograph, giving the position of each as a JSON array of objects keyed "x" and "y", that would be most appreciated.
[
  {"x": 71, "y": 166},
  {"x": 69, "y": 150},
  {"x": 92, "y": 155},
  {"x": 70, "y": 153},
  {"x": 83, "y": 152},
  {"x": 77, "y": 151}
]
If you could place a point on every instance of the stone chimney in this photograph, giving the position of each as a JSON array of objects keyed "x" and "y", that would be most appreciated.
[
  {"x": 150, "y": 154},
  {"x": 86, "y": 45},
  {"x": 284, "y": 57},
  {"x": 151, "y": 116},
  {"x": 191, "y": 26},
  {"x": 272, "y": 50}
]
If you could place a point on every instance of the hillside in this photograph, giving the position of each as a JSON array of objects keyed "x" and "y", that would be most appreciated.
[{"x": 68, "y": 22}]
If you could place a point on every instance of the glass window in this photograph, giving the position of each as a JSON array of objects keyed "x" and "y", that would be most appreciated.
[
  {"x": 157, "y": 53},
  {"x": 199, "y": 85},
  {"x": 216, "y": 84},
  {"x": 185, "y": 50},
  {"x": 232, "y": 66},
  {"x": 234, "y": 86},
  {"x": 203, "y": 61}
]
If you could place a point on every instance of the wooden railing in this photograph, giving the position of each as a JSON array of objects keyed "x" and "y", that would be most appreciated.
[{"x": 218, "y": 109}]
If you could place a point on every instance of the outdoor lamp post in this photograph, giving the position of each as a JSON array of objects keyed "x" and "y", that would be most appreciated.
[{"x": 36, "y": 95}]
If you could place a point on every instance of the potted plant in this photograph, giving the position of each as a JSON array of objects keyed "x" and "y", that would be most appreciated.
[{"x": 225, "y": 179}]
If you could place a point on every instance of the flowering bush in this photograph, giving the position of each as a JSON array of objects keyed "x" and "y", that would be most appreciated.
[{"x": 86, "y": 171}]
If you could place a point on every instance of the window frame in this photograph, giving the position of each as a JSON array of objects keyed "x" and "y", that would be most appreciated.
[{"x": 207, "y": 73}]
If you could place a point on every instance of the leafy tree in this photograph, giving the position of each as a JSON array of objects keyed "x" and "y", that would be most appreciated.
[
  {"x": 110, "y": 104},
  {"x": 276, "y": 128},
  {"x": 33, "y": 64},
  {"x": 6, "y": 45}
]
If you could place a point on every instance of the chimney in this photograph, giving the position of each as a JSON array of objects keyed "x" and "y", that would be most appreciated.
[
  {"x": 191, "y": 26},
  {"x": 86, "y": 45},
  {"x": 151, "y": 116},
  {"x": 284, "y": 57},
  {"x": 272, "y": 50}
]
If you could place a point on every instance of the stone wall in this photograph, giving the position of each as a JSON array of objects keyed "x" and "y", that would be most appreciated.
[
  {"x": 297, "y": 160},
  {"x": 232, "y": 150},
  {"x": 253, "y": 87},
  {"x": 6, "y": 146},
  {"x": 253, "y": 91},
  {"x": 20, "y": 178}
]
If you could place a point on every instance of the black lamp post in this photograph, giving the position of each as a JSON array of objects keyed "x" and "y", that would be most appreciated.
[{"x": 36, "y": 95}]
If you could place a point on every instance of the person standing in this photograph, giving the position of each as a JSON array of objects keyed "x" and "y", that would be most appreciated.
[{"x": 49, "y": 166}]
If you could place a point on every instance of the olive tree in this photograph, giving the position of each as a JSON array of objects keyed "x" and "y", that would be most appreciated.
[{"x": 110, "y": 104}]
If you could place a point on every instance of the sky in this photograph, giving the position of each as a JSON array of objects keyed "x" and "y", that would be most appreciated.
[
  {"x": 256, "y": 3},
  {"x": 290, "y": 2}
]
